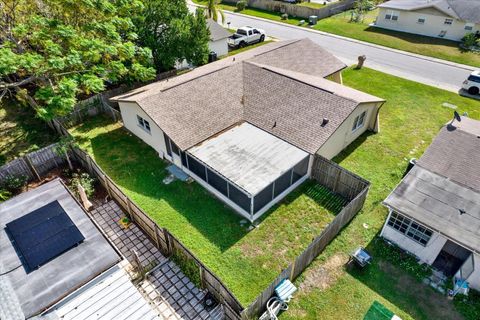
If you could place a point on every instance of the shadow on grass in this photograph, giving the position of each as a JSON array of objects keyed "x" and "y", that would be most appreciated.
[
  {"x": 353, "y": 146},
  {"x": 397, "y": 277},
  {"x": 136, "y": 167},
  {"x": 413, "y": 38}
]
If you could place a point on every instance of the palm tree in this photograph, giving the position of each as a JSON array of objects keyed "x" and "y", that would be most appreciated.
[{"x": 213, "y": 11}]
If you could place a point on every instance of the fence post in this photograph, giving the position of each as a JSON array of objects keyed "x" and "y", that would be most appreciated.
[
  {"x": 32, "y": 168},
  {"x": 107, "y": 186},
  {"x": 129, "y": 208},
  {"x": 167, "y": 240},
  {"x": 89, "y": 163}
]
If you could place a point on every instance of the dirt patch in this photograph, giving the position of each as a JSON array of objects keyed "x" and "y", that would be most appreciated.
[
  {"x": 435, "y": 305},
  {"x": 324, "y": 275}
]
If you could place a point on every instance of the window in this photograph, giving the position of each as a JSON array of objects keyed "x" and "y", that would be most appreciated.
[
  {"x": 217, "y": 182},
  {"x": 391, "y": 15},
  {"x": 263, "y": 198},
  {"x": 175, "y": 148},
  {"x": 196, "y": 167},
  {"x": 421, "y": 21},
  {"x": 167, "y": 144},
  {"x": 300, "y": 170},
  {"x": 282, "y": 183},
  {"x": 359, "y": 121},
  {"x": 410, "y": 228},
  {"x": 448, "y": 21},
  {"x": 240, "y": 198},
  {"x": 442, "y": 33},
  {"x": 474, "y": 78},
  {"x": 144, "y": 124},
  {"x": 469, "y": 26}
]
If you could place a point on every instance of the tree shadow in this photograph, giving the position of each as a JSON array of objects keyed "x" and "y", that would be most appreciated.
[
  {"x": 412, "y": 38},
  {"x": 397, "y": 277}
]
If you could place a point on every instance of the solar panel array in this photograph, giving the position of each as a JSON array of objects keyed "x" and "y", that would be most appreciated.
[{"x": 43, "y": 234}]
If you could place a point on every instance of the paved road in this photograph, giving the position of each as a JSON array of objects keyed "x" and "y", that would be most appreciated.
[{"x": 446, "y": 76}]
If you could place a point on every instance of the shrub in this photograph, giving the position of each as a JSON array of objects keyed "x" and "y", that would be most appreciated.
[
  {"x": 241, "y": 5},
  {"x": 85, "y": 181},
  {"x": 470, "y": 40},
  {"x": 188, "y": 266},
  {"x": 284, "y": 16},
  {"x": 4, "y": 195},
  {"x": 15, "y": 184},
  {"x": 468, "y": 306}
]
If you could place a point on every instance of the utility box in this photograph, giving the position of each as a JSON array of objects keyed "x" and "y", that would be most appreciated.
[
  {"x": 312, "y": 20},
  {"x": 212, "y": 56}
]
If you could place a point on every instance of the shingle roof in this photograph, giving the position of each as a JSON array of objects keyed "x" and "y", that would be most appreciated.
[
  {"x": 465, "y": 10},
  {"x": 445, "y": 181},
  {"x": 217, "y": 32},
  {"x": 455, "y": 153},
  {"x": 261, "y": 87}
]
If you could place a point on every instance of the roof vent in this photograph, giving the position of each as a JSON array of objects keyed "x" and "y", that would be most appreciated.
[
  {"x": 324, "y": 122},
  {"x": 462, "y": 211},
  {"x": 274, "y": 124}
]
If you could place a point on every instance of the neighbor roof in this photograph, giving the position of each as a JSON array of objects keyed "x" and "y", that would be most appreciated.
[
  {"x": 39, "y": 289},
  {"x": 465, "y": 10},
  {"x": 248, "y": 156},
  {"x": 442, "y": 191},
  {"x": 197, "y": 105},
  {"x": 217, "y": 32}
]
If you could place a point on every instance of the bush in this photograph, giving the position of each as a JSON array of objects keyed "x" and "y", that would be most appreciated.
[
  {"x": 468, "y": 306},
  {"x": 15, "y": 184},
  {"x": 4, "y": 195},
  {"x": 241, "y": 5},
  {"x": 470, "y": 40},
  {"x": 188, "y": 267},
  {"x": 85, "y": 181},
  {"x": 284, "y": 16}
]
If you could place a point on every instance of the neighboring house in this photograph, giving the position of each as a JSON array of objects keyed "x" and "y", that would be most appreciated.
[
  {"x": 434, "y": 213},
  {"x": 49, "y": 248},
  {"x": 247, "y": 127},
  {"x": 448, "y": 19},
  {"x": 218, "y": 38}
]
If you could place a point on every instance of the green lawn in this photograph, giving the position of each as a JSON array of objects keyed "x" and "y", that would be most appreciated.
[
  {"x": 247, "y": 261},
  {"x": 20, "y": 131},
  {"x": 411, "y": 117},
  {"x": 340, "y": 24}
]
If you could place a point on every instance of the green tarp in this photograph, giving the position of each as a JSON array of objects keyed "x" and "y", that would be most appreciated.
[{"x": 378, "y": 312}]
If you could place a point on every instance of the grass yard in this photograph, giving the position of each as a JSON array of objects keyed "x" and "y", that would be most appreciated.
[
  {"x": 340, "y": 25},
  {"x": 411, "y": 117},
  {"x": 20, "y": 131},
  {"x": 247, "y": 261}
]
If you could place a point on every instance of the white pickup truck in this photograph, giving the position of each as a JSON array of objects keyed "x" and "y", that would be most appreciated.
[{"x": 245, "y": 36}]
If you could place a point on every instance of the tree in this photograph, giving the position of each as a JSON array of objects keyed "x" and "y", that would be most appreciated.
[
  {"x": 213, "y": 11},
  {"x": 63, "y": 147},
  {"x": 173, "y": 33},
  {"x": 360, "y": 8},
  {"x": 51, "y": 51}
]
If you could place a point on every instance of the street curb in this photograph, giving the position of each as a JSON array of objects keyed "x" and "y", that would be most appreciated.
[{"x": 415, "y": 55}]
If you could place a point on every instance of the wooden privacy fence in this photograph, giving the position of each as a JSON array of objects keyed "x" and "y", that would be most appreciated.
[
  {"x": 163, "y": 239},
  {"x": 33, "y": 165},
  {"x": 340, "y": 181}
]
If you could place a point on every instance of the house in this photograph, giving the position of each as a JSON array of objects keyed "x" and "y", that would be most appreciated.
[
  {"x": 218, "y": 38},
  {"x": 49, "y": 249},
  {"x": 448, "y": 19},
  {"x": 434, "y": 213},
  {"x": 246, "y": 128}
]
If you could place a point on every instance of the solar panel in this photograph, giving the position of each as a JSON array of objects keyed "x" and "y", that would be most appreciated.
[{"x": 43, "y": 234}]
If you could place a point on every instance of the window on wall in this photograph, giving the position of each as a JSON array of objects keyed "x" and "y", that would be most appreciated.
[
  {"x": 421, "y": 21},
  {"x": 442, "y": 33},
  {"x": 175, "y": 148},
  {"x": 448, "y": 21},
  {"x": 144, "y": 124},
  {"x": 469, "y": 26},
  {"x": 167, "y": 144},
  {"x": 391, "y": 15},
  {"x": 359, "y": 121},
  {"x": 410, "y": 228}
]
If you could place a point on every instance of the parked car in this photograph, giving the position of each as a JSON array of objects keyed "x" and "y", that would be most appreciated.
[
  {"x": 472, "y": 84},
  {"x": 245, "y": 36}
]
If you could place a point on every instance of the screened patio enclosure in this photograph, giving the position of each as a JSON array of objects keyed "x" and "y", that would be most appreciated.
[{"x": 247, "y": 168}]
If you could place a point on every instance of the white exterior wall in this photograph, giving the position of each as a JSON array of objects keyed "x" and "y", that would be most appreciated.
[
  {"x": 344, "y": 135},
  {"x": 426, "y": 254},
  {"x": 219, "y": 46},
  {"x": 434, "y": 24},
  {"x": 155, "y": 139}
]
